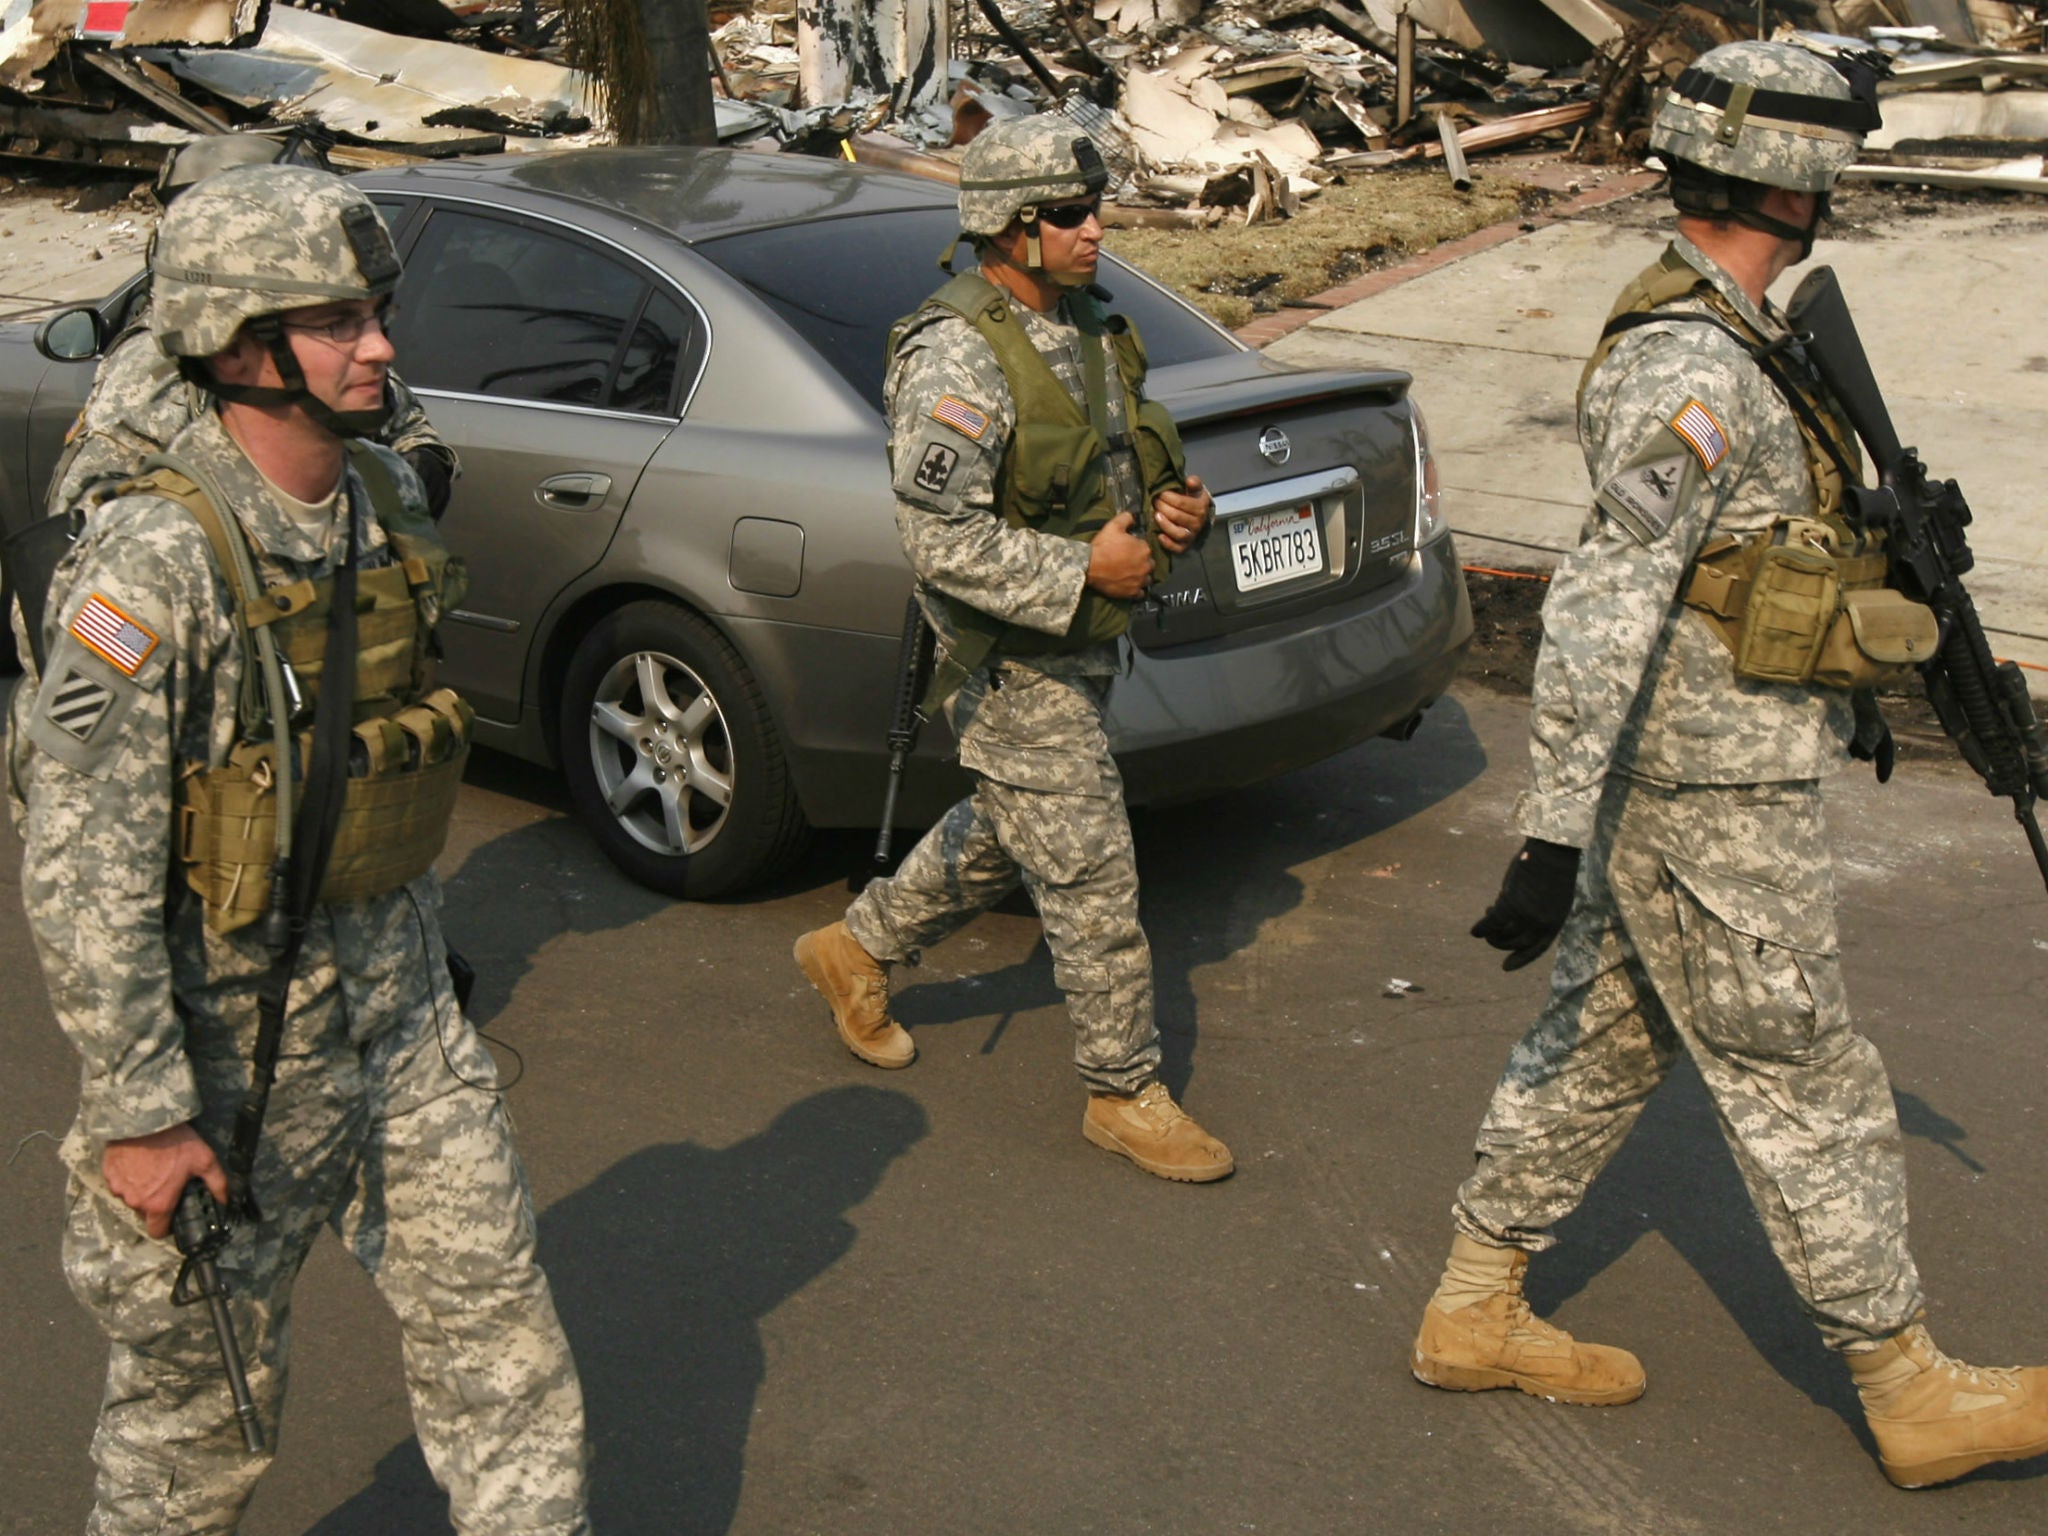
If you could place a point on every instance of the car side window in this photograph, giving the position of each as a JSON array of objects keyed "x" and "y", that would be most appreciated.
[
  {"x": 663, "y": 343},
  {"x": 491, "y": 307}
]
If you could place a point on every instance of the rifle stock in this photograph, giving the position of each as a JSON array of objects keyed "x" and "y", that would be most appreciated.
[{"x": 1982, "y": 702}]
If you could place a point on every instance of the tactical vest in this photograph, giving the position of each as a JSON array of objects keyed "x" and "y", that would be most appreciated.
[
  {"x": 409, "y": 742},
  {"x": 1055, "y": 474},
  {"x": 1807, "y": 600}
]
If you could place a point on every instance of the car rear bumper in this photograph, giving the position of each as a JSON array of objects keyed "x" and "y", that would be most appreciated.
[{"x": 1216, "y": 715}]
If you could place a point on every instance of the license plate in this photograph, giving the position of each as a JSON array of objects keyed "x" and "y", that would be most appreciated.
[{"x": 1274, "y": 546}]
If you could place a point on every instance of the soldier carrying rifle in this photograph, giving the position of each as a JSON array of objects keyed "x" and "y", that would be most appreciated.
[
  {"x": 1708, "y": 655},
  {"x": 244, "y": 632}
]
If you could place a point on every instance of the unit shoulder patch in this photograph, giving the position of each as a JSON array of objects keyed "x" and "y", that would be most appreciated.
[
  {"x": 77, "y": 704},
  {"x": 112, "y": 635},
  {"x": 1702, "y": 433},
  {"x": 1645, "y": 497},
  {"x": 963, "y": 418},
  {"x": 82, "y": 707},
  {"x": 935, "y": 469}
]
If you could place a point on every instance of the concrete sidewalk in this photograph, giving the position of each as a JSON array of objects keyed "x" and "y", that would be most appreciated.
[{"x": 1945, "y": 304}]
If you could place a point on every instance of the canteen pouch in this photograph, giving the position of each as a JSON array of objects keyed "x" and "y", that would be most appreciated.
[{"x": 1878, "y": 641}]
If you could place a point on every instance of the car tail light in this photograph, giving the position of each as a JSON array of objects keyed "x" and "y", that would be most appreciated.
[{"x": 1429, "y": 512}]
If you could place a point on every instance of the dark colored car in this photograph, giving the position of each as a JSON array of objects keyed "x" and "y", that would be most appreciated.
[{"x": 663, "y": 371}]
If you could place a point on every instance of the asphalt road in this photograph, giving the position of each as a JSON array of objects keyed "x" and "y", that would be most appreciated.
[{"x": 809, "y": 1296}]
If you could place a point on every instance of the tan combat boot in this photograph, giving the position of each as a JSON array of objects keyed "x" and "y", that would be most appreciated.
[
  {"x": 1478, "y": 1333},
  {"x": 1935, "y": 1418},
  {"x": 1156, "y": 1134},
  {"x": 857, "y": 987}
]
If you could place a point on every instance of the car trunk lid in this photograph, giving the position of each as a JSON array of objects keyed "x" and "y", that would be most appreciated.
[{"x": 1314, "y": 478}]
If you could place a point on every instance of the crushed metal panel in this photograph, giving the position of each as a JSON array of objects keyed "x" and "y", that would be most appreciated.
[
  {"x": 376, "y": 86},
  {"x": 1591, "y": 20},
  {"x": 32, "y": 39},
  {"x": 1940, "y": 117}
]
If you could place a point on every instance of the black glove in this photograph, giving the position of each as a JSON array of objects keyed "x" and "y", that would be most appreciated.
[
  {"x": 1535, "y": 898},
  {"x": 1872, "y": 742},
  {"x": 436, "y": 474}
]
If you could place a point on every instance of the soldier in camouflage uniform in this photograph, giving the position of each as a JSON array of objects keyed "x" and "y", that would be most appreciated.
[
  {"x": 1700, "y": 915},
  {"x": 384, "y": 1122},
  {"x": 1027, "y": 614}
]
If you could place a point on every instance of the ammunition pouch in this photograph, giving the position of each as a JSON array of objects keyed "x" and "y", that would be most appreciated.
[
  {"x": 404, "y": 772},
  {"x": 1806, "y": 602}
]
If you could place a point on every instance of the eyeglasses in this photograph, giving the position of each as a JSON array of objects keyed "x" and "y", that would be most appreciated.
[
  {"x": 1071, "y": 215},
  {"x": 345, "y": 330}
]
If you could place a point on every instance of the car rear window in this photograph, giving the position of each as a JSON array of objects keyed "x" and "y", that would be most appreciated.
[{"x": 841, "y": 283}]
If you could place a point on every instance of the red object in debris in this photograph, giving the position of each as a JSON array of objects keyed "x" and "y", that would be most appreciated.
[{"x": 105, "y": 19}]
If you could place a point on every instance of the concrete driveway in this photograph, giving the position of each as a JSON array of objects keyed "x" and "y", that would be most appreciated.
[{"x": 1946, "y": 302}]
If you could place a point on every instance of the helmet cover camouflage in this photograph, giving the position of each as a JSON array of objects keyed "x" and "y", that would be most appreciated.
[
  {"x": 1775, "y": 114},
  {"x": 192, "y": 163},
  {"x": 1012, "y": 167},
  {"x": 259, "y": 240}
]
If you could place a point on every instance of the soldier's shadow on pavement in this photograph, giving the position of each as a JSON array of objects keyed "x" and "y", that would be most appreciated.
[
  {"x": 663, "y": 1268},
  {"x": 1211, "y": 873},
  {"x": 512, "y": 896},
  {"x": 1675, "y": 1176}
]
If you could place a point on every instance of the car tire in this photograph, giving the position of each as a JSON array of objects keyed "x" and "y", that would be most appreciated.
[{"x": 673, "y": 760}]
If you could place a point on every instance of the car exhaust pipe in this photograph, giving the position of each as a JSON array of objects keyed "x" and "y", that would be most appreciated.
[{"x": 1402, "y": 730}]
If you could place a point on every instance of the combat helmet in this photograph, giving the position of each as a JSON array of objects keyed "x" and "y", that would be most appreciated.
[
  {"x": 1749, "y": 116},
  {"x": 1013, "y": 167},
  {"x": 246, "y": 245},
  {"x": 189, "y": 164}
]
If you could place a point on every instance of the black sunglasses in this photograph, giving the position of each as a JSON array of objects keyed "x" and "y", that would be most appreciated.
[{"x": 1071, "y": 215}]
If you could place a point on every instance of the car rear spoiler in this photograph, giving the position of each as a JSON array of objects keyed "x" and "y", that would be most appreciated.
[{"x": 1199, "y": 393}]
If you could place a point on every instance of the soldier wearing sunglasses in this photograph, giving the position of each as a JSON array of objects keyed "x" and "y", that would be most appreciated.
[{"x": 1039, "y": 493}]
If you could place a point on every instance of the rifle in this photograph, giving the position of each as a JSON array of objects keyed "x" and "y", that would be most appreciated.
[
  {"x": 1982, "y": 702},
  {"x": 201, "y": 1230},
  {"x": 913, "y": 661}
]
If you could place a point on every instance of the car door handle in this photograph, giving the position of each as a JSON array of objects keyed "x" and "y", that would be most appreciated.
[{"x": 572, "y": 493}]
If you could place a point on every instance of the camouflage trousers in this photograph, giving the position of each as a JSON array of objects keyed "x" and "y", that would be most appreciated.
[
  {"x": 417, "y": 1175},
  {"x": 1704, "y": 921},
  {"x": 1048, "y": 813}
]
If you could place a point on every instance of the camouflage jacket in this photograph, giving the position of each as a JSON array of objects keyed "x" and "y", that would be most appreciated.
[
  {"x": 144, "y": 667},
  {"x": 1684, "y": 437},
  {"x": 952, "y": 535},
  {"x": 140, "y": 401}
]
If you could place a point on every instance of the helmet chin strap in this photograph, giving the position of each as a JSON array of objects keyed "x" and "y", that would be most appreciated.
[
  {"x": 1710, "y": 196},
  {"x": 269, "y": 330}
]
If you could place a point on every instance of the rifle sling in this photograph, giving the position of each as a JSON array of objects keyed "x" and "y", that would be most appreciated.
[{"x": 319, "y": 814}]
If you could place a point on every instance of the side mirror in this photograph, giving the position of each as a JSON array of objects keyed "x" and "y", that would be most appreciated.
[{"x": 72, "y": 335}]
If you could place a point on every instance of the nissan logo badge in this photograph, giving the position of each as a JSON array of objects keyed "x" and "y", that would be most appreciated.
[{"x": 1274, "y": 445}]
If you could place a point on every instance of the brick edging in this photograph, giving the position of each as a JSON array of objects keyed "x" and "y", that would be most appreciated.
[{"x": 1270, "y": 328}]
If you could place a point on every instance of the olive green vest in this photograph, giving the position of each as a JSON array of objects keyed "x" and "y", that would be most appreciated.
[
  {"x": 410, "y": 739},
  {"x": 1054, "y": 475}
]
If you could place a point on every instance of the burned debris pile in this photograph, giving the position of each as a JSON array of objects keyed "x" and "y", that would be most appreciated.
[{"x": 1228, "y": 110}]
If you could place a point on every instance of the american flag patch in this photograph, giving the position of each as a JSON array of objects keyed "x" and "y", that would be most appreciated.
[
  {"x": 1702, "y": 433},
  {"x": 108, "y": 632},
  {"x": 960, "y": 416}
]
